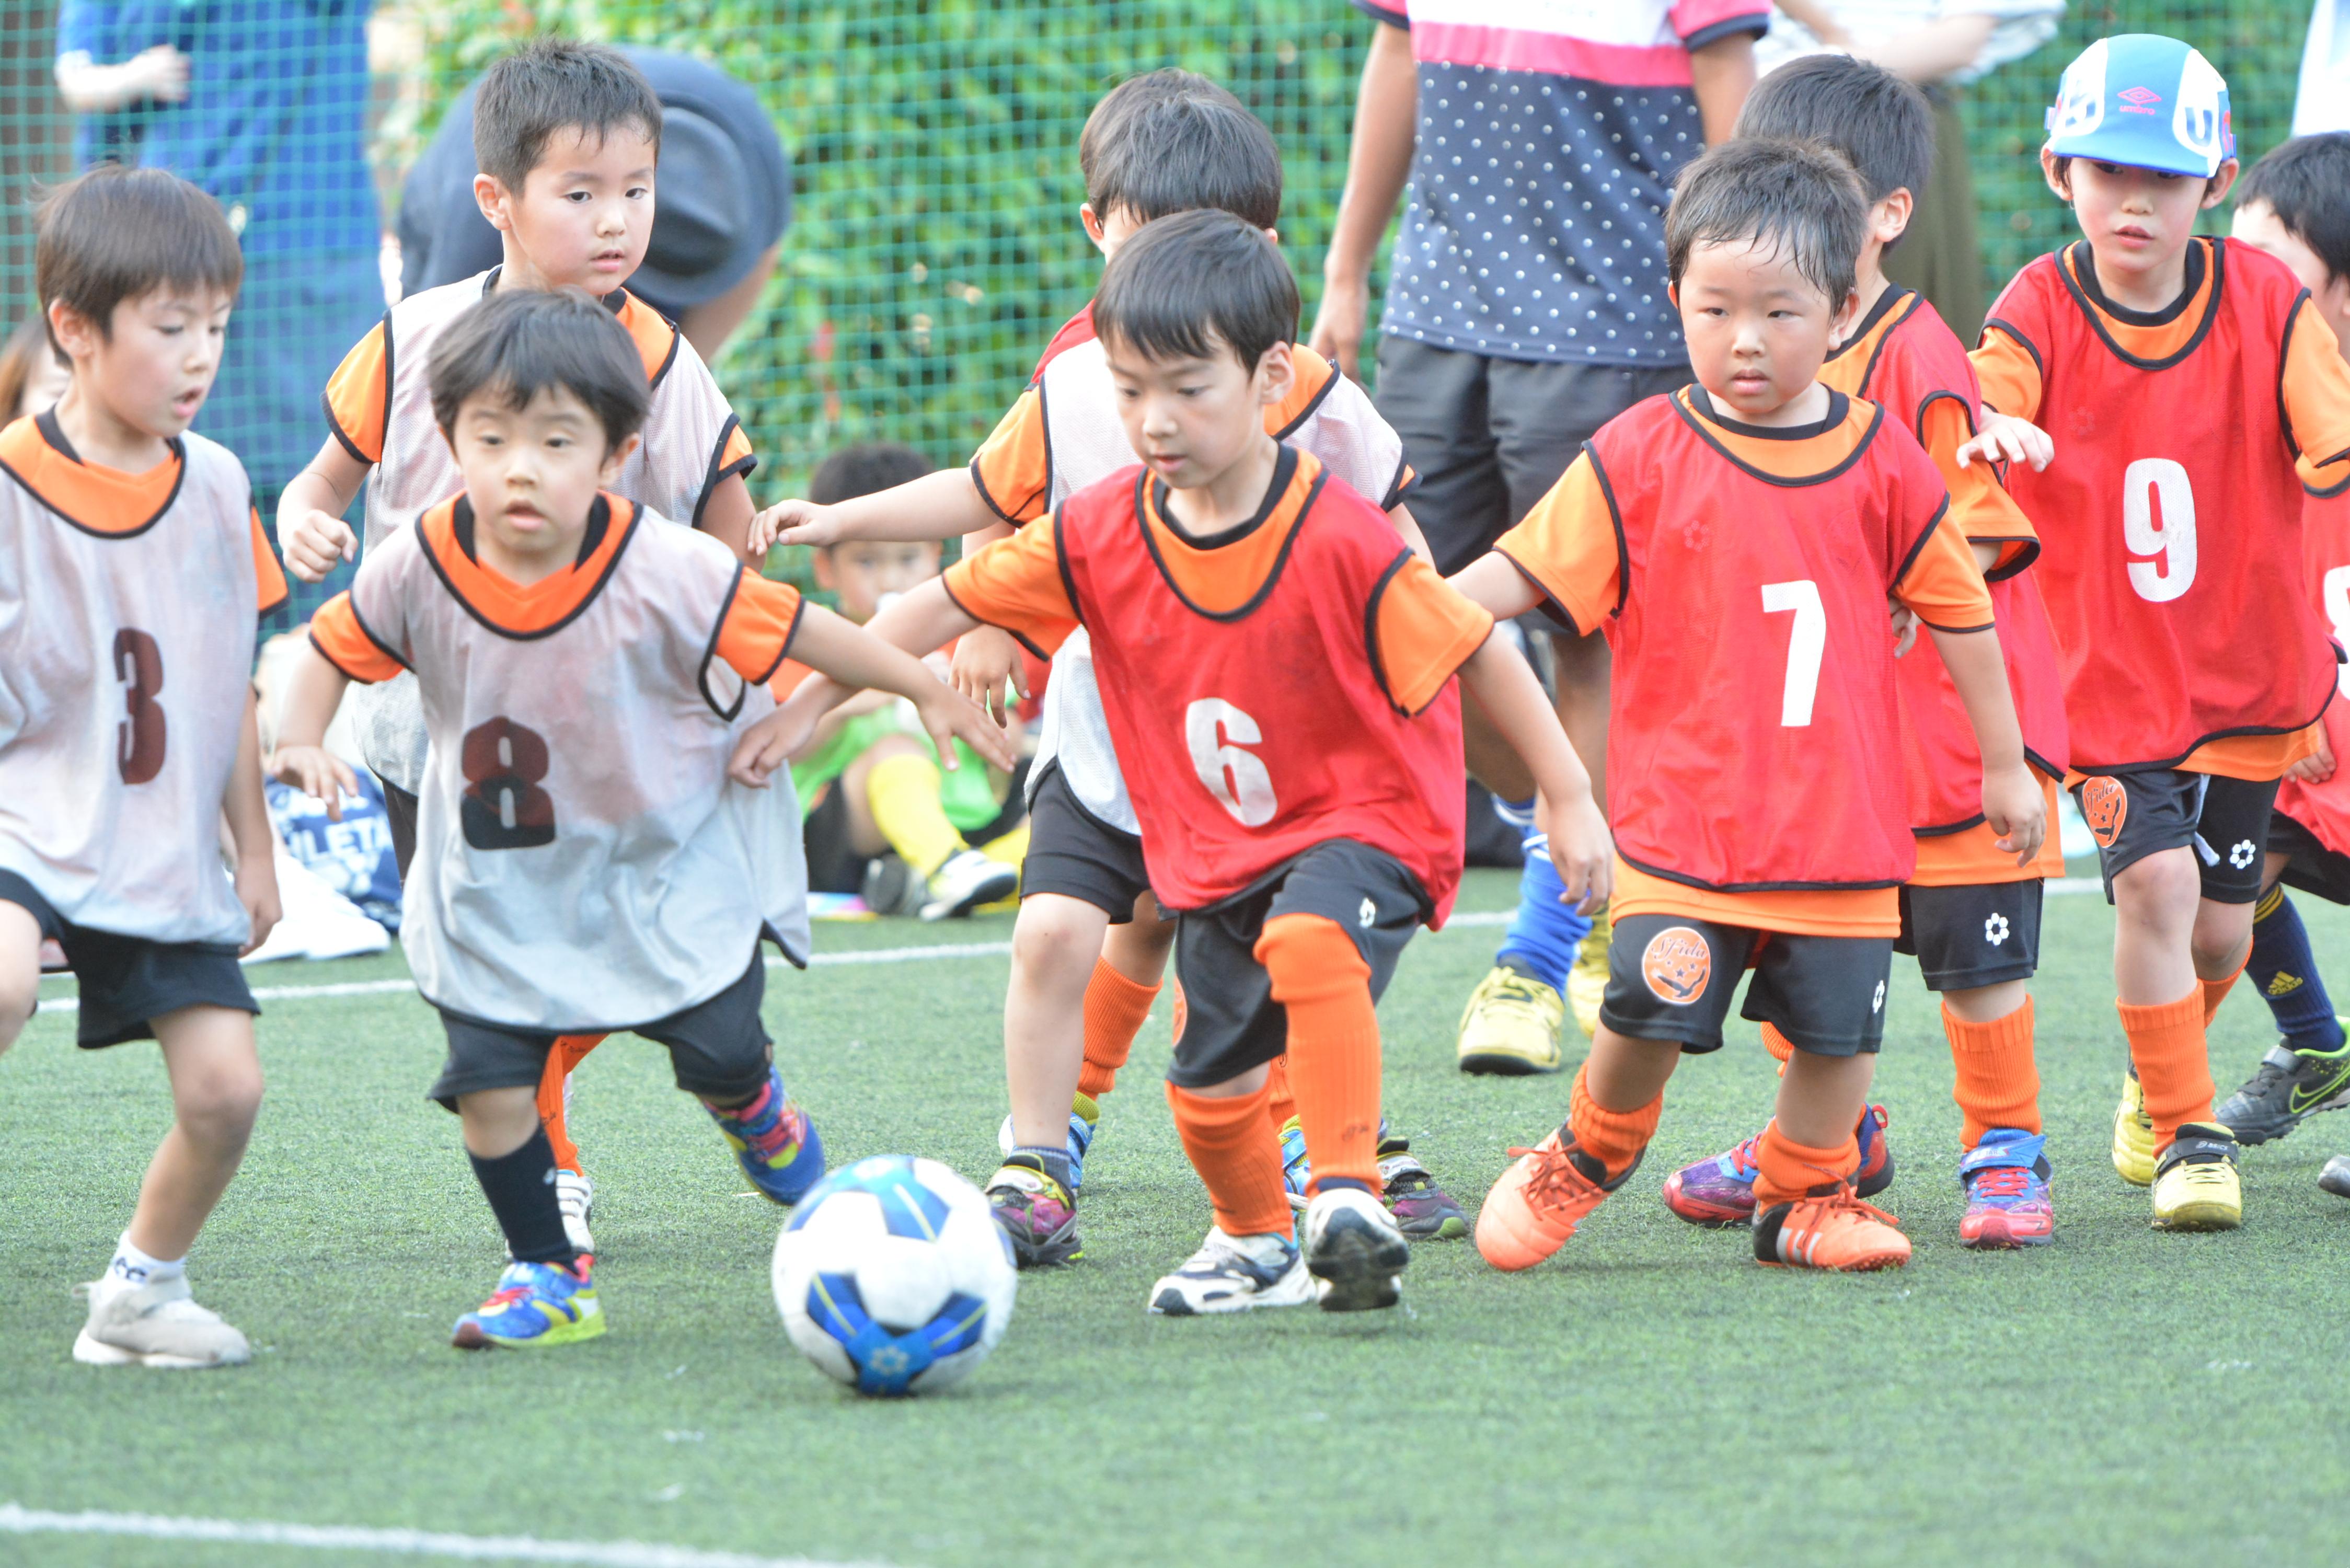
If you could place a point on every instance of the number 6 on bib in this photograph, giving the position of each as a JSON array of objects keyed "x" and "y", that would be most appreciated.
[{"x": 1236, "y": 778}]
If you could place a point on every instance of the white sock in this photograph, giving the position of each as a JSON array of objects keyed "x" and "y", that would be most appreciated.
[{"x": 133, "y": 1267}]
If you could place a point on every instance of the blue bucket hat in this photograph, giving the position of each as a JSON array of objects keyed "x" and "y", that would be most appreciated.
[{"x": 2145, "y": 101}]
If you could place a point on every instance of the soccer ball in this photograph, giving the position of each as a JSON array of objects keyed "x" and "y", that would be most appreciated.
[{"x": 893, "y": 1277}]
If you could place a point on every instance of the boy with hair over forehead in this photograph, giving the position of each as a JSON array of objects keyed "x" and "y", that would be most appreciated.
[
  {"x": 133, "y": 573},
  {"x": 1778, "y": 513},
  {"x": 1301, "y": 827},
  {"x": 584, "y": 864},
  {"x": 2157, "y": 382},
  {"x": 1969, "y": 911},
  {"x": 566, "y": 135}
]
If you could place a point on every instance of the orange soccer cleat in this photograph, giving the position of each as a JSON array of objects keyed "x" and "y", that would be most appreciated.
[
  {"x": 1534, "y": 1208},
  {"x": 1830, "y": 1231}
]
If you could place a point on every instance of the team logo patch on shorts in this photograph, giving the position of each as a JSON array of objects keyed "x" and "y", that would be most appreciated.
[
  {"x": 1677, "y": 965},
  {"x": 1182, "y": 1010},
  {"x": 2104, "y": 805}
]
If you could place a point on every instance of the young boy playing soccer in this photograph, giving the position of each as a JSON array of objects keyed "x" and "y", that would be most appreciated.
[
  {"x": 133, "y": 573},
  {"x": 584, "y": 864},
  {"x": 2187, "y": 390},
  {"x": 1090, "y": 944},
  {"x": 567, "y": 136},
  {"x": 1969, "y": 913},
  {"x": 1276, "y": 669},
  {"x": 1772, "y": 512}
]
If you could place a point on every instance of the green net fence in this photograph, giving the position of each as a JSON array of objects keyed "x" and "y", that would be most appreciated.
[{"x": 935, "y": 246}]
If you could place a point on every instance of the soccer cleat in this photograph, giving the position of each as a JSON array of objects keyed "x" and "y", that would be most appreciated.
[
  {"x": 1587, "y": 982},
  {"x": 2286, "y": 1090},
  {"x": 1510, "y": 1025},
  {"x": 535, "y": 1304},
  {"x": 1720, "y": 1191},
  {"x": 1355, "y": 1250},
  {"x": 2006, "y": 1181},
  {"x": 2133, "y": 1135},
  {"x": 1830, "y": 1230},
  {"x": 965, "y": 880},
  {"x": 1423, "y": 1212},
  {"x": 773, "y": 1141},
  {"x": 1234, "y": 1274},
  {"x": 2196, "y": 1187},
  {"x": 154, "y": 1325},
  {"x": 575, "y": 1195},
  {"x": 2336, "y": 1176},
  {"x": 1036, "y": 1214},
  {"x": 1084, "y": 1120},
  {"x": 1534, "y": 1208}
]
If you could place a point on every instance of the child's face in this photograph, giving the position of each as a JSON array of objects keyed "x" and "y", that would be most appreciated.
[
  {"x": 46, "y": 381},
  {"x": 585, "y": 213},
  {"x": 533, "y": 473},
  {"x": 2256, "y": 224},
  {"x": 863, "y": 572},
  {"x": 1758, "y": 329},
  {"x": 2137, "y": 221},
  {"x": 1191, "y": 419},
  {"x": 153, "y": 371}
]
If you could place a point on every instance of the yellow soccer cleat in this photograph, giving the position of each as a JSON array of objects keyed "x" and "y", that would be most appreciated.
[
  {"x": 1587, "y": 982},
  {"x": 2133, "y": 1135},
  {"x": 1510, "y": 1025},
  {"x": 2196, "y": 1187}
]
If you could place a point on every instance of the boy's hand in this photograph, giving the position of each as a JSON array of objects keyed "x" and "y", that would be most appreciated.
[
  {"x": 2318, "y": 766},
  {"x": 950, "y": 716},
  {"x": 769, "y": 743},
  {"x": 2017, "y": 809},
  {"x": 317, "y": 543},
  {"x": 1580, "y": 850},
  {"x": 256, "y": 889},
  {"x": 1338, "y": 326},
  {"x": 1905, "y": 630},
  {"x": 794, "y": 522},
  {"x": 985, "y": 661},
  {"x": 317, "y": 772},
  {"x": 2003, "y": 438}
]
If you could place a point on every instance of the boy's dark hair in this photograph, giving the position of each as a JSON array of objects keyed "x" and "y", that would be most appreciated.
[
  {"x": 1882, "y": 125},
  {"x": 118, "y": 233},
  {"x": 1173, "y": 141},
  {"x": 865, "y": 468},
  {"x": 1184, "y": 287},
  {"x": 551, "y": 84},
  {"x": 520, "y": 342},
  {"x": 2306, "y": 184},
  {"x": 1800, "y": 197}
]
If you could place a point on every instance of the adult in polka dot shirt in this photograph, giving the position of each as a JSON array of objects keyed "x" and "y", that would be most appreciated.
[{"x": 1525, "y": 308}]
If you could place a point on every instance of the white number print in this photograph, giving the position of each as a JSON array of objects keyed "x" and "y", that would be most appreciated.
[
  {"x": 1806, "y": 643},
  {"x": 2159, "y": 519},
  {"x": 2337, "y": 611},
  {"x": 1215, "y": 730}
]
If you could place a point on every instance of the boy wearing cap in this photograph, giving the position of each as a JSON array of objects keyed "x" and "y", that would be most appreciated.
[{"x": 2147, "y": 377}]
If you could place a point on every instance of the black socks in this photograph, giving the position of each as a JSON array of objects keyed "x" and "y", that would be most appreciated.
[{"x": 521, "y": 1190}]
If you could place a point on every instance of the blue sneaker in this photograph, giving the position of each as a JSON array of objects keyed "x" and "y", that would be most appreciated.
[
  {"x": 535, "y": 1304},
  {"x": 2006, "y": 1179},
  {"x": 773, "y": 1141}
]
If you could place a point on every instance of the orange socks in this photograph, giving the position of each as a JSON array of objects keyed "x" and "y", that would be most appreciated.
[
  {"x": 1321, "y": 982},
  {"x": 1280, "y": 1104},
  {"x": 554, "y": 1085},
  {"x": 1238, "y": 1158},
  {"x": 2174, "y": 1064},
  {"x": 2215, "y": 991},
  {"x": 1615, "y": 1139},
  {"x": 1997, "y": 1085},
  {"x": 1786, "y": 1170},
  {"x": 1115, "y": 1009}
]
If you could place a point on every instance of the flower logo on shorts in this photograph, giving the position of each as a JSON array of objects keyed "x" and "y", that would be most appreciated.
[
  {"x": 2240, "y": 856},
  {"x": 1677, "y": 965},
  {"x": 1182, "y": 1012},
  {"x": 1369, "y": 916},
  {"x": 1995, "y": 929},
  {"x": 1876, "y": 1002},
  {"x": 2104, "y": 808}
]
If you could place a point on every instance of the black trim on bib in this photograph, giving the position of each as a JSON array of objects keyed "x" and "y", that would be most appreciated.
[
  {"x": 461, "y": 521},
  {"x": 2094, "y": 308}
]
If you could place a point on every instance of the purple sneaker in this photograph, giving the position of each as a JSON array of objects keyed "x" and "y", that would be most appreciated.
[
  {"x": 2008, "y": 1204},
  {"x": 1037, "y": 1215},
  {"x": 1720, "y": 1191}
]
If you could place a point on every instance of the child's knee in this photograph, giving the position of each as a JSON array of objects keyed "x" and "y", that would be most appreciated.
[
  {"x": 1309, "y": 955},
  {"x": 2161, "y": 890},
  {"x": 1054, "y": 936},
  {"x": 2223, "y": 934},
  {"x": 220, "y": 1104}
]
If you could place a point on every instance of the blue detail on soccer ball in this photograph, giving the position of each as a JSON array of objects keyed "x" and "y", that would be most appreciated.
[
  {"x": 908, "y": 1207},
  {"x": 888, "y": 1363}
]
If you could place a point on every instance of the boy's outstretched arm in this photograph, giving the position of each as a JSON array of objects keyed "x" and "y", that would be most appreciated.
[
  {"x": 1498, "y": 677},
  {"x": 942, "y": 505},
  {"x": 247, "y": 810},
  {"x": 2003, "y": 438},
  {"x": 2014, "y": 803},
  {"x": 311, "y": 533},
  {"x": 313, "y": 690}
]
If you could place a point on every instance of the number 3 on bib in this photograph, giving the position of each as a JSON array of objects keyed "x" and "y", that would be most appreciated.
[{"x": 1215, "y": 730}]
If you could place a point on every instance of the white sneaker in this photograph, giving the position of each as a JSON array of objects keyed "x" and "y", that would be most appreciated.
[
  {"x": 154, "y": 1325},
  {"x": 575, "y": 1196},
  {"x": 1354, "y": 1251},
  {"x": 1233, "y": 1273},
  {"x": 965, "y": 881}
]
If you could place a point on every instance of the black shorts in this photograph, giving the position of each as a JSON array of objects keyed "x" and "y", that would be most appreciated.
[
  {"x": 128, "y": 982},
  {"x": 2146, "y": 811},
  {"x": 1075, "y": 854},
  {"x": 1490, "y": 437},
  {"x": 1670, "y": 978},
  {"x": 1226, "y": 1021},
  {"x": 1984, "y": 933},
  {"x": 718, "y": 1048},
  {"x": 2309, "y": 865},
  {"x": 833, "y": 863}
]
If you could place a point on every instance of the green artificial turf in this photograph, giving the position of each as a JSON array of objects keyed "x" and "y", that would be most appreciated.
[{"x": 1650, "y": 1395}]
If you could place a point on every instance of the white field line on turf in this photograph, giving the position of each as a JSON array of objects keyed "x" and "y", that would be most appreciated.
[
  {"x": 16, "y": 1520},
  {"x": 2057, "y": 887}
]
